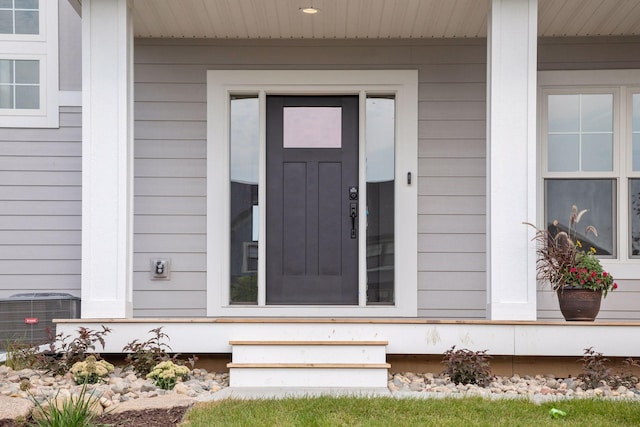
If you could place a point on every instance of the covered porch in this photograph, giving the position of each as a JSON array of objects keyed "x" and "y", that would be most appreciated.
[{"x": 477, "y": 91}]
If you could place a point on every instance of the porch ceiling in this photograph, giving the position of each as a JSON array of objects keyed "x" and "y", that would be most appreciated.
[{"x": 370, "y": 19}]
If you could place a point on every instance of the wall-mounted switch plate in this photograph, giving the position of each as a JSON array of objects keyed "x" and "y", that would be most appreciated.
[{"x": 160, "y": 268}]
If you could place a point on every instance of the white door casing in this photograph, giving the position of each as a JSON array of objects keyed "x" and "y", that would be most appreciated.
[{"x": 403, "y": 84}]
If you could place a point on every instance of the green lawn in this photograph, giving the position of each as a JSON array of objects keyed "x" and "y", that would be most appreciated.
[{"x": 345, "y": 411}]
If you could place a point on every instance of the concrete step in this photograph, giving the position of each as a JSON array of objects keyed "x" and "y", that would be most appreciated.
[
  {"x": 308, "y": 364},
  {"x": 309, "y": 352}
]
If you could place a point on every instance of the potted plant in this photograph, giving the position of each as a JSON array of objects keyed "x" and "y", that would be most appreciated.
[{"x": 572, "y": 271}]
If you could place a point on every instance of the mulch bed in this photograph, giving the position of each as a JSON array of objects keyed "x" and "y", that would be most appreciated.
[{"x": 169, "y": 417}]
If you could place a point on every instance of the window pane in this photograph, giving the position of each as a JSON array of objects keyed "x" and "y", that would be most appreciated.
[
  {"x": 564, "y": 113},
  {"x": 596, "y": 195},
  {"x": 244, "y": 163},
  {"x": 636, "y": 112},
  {"x": 6, "y": 4},
  {"x": 6, "y": 96},
  {"x": 27, "y": 22},
  {"x": 563, "y": 152},
  {"x": 380, "y": 152},
  {"x": 6, "y": 22},
  {"x": 28, "y": 72},
  {"x": 636, "y": 132},
  {"x": 634, "y": 216},
  {"x": 6, "y": 71},
  {"x": 26, "y": 4},
  {"x": 597, "y": 113},
  {"x": 636, "y": 151},
  {"x": 597, "y": 152},
  {"x": 27, "y": 97}
]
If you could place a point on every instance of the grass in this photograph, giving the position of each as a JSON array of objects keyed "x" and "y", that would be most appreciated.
[{"x": 370, "y": 412}]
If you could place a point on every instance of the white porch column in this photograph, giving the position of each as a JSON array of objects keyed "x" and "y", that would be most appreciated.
[
  {"x": 511, "y": 158},
  {"x": 107, "y": 158}
]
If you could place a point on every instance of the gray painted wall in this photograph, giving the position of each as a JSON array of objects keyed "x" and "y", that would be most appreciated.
[
  {"x": 70, "y": 46},
  {"x": 40, "y": 197},
  {"x": 170, "y": 156},
  {"x": 40, "y": 169},
  {"x": 170, "y": 160}
]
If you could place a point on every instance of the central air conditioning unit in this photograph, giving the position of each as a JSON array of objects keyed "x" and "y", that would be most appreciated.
[{"x": 28, "y": 318}]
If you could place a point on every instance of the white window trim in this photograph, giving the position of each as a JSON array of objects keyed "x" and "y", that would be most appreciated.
[
  {"x": 44, "y": 48},
  {"x": 622, "y": 83},
  {"x": 220, "y": 84}
]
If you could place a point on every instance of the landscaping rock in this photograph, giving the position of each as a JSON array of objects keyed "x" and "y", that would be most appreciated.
[{"x": 14, "y": 407}]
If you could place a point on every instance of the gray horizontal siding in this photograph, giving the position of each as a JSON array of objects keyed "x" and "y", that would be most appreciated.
[
  {"x": 170, "y": 152},
  {"x": 40, "y": 207}
]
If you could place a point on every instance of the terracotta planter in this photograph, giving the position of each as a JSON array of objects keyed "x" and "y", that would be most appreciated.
[{"x": 578, "y": 304}]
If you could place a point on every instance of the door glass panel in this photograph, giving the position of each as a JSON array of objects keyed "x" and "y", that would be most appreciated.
[
  {"x": 380, "y": 152},
  {"x": 244, "y": 171},
  {"x": 312, "y": 127},
  {"x": 598, "y": 196}
]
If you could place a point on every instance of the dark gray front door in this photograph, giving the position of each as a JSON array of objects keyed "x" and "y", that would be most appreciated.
[{"x": 312, "y": 235}]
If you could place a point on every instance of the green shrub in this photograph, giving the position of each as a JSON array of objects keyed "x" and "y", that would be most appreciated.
[
  {"x": 595, "y": 372},
  {"x": 144, "y": 356},
  {"x": 21, "y": 355},
  {"x": 467, "y": 367},
  {"x": 166, "y": 374},
  {"x": 65, "y": 350},
  {"x": 90, "y": 370}
]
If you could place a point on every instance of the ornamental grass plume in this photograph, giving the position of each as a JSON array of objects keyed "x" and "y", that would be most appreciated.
[{"x": 562, "y": 260}]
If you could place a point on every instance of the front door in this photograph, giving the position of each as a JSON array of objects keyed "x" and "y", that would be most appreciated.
[{"x": 312, "y": 200}]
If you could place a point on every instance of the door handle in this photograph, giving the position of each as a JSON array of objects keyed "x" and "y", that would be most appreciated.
[{"x": 353, "y": 215}]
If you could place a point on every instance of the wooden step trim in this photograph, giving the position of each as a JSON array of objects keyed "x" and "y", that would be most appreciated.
[
  {"x": 311, "y": 365},
  {"x": 312, "y": 343}
]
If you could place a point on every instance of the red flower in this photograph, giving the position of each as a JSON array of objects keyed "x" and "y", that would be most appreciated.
[
  {"x": 615, "y": 286},
  {"x": 605, "y": 274},
  {"x": 573, "y": 270}
]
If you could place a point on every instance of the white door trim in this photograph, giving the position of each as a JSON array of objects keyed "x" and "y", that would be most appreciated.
[{"x": 222, "y": 83}]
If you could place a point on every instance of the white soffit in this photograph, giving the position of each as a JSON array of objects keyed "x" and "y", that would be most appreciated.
[{"x": 370, "y": 19}]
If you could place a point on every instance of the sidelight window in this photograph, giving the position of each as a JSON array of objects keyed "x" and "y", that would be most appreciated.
[{"x": 244, "y": 144}]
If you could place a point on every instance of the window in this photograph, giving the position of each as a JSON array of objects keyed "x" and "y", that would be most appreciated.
[
  {"x": 19, "y": 84},
  {"x": 28, "y": 63},
  {"x": 380, "y": 153},
  {"x": 244, "y": 147},
  {"x": 590, "y": 133},
  {"x": 19, "y": 17}
]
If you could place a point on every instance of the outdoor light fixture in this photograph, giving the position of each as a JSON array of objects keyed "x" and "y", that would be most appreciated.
[{"x": 310, "y": 10}]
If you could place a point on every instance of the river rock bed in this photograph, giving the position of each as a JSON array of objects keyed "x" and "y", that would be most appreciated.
[
  {"x": 525, "y": 386},
  {"x": 120, "y": 386},
  {"x": 124, "y": 385}
]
